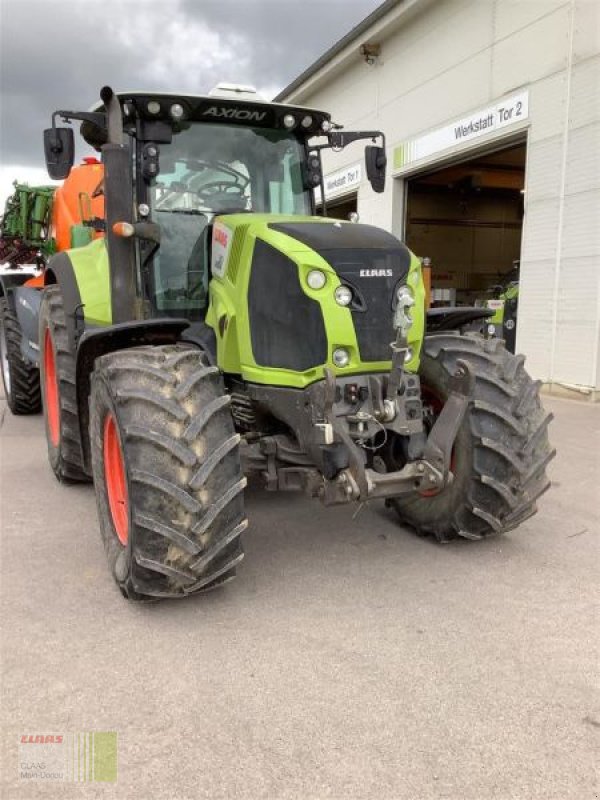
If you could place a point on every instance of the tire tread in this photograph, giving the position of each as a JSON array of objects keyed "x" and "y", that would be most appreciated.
[
  {"x": 25, "y": 392},
  {"x": 507, "y": 428},
  {"x": 183, "y": 462}
]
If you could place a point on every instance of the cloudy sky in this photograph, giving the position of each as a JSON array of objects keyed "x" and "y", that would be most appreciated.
[{"x": 58, "y": 53}]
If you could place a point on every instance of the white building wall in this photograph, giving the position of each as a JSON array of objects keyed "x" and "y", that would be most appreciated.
[{"x": 454, "y": 57}]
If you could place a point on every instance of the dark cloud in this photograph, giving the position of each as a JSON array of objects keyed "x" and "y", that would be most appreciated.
[{"x": 57, "y": 53}]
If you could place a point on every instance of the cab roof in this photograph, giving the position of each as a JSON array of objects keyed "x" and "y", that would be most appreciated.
[{"x": 255, "y": 111}]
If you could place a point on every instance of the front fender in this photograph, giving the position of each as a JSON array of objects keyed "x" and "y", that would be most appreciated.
[
  {"x": 96, "y": 342},
  {"x": 60, "y": 270}
]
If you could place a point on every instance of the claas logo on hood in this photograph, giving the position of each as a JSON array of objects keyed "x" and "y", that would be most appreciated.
[{"x": 376, "y": 273}]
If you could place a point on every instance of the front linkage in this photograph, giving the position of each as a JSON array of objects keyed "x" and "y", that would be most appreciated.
[{"x": 342, "y": 425}]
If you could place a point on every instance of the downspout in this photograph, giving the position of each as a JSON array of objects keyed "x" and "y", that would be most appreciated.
[{"x": 561, "y": 202}]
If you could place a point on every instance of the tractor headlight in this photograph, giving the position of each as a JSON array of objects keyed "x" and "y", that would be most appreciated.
[
  {"x": 153, "y": 107},
  {"x": 343, "y": 295},
  {"x": 177, "y": 111},
  {"x": 341, "y": 357},
  {"x": 316, "y": 279},
  {"x": 307, "y": 121},
  {"x": 289, "y": 121}
]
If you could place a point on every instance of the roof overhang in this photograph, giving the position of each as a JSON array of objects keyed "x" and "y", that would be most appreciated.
[{"x": 380, "y": 25}]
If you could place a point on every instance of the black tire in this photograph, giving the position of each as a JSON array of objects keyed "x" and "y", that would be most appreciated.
[
  {"x": 183, "y": 477},
  {"x": 21, "y": 380},
  {"x": 64, "y": 438},
  {"x": 501, "y": 450}
]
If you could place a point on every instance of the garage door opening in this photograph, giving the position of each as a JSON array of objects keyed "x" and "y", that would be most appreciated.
[
  {"x": 467, "y": 219},
  {"x": 341, "y": 208}
]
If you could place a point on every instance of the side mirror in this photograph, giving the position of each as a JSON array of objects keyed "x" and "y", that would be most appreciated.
[
  {"x": 59, "y": 149},
  {"x": 375, "y": 160}
]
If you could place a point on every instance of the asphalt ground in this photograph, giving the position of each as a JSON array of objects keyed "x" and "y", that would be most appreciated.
[{"x": 350, "y": 659}]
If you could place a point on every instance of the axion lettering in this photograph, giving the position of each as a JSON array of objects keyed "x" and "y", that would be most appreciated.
[{"x": 235, "y": 113}]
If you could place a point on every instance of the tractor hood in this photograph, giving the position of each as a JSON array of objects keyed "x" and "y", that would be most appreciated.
[
  {"x": 294, "y": 320},
  {"x": 372, "y": 263}
]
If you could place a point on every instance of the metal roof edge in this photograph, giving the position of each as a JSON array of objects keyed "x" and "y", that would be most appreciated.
[{"x": 340, "y": 45}]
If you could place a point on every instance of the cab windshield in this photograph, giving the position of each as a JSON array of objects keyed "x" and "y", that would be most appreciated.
[{"x": 211, "y": 169}]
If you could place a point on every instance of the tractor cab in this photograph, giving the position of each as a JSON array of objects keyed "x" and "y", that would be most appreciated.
[{"x": 198, "y": 157}]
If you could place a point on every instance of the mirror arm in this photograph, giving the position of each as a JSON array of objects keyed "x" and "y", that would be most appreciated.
[
  {"x": 339, "y": 139},
  {"x": 95, "y": 117}
]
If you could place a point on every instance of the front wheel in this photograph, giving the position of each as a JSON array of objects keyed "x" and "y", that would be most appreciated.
[
  {"x": 167, "y": 472},
  {"x": 501, "y": 450}
]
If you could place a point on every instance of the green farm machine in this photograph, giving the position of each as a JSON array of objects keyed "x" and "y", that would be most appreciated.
[
  {"x": 504, "y": 304},
  {"x": 24, "y": 226},
  {"x": 216, "y": 327},
  {"x": 25, "y": 244}
]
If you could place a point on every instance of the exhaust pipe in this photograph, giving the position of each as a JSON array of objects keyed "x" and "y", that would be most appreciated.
[
  {"x": 118, "y": 198},
  {"x": 114, "y": 115}
]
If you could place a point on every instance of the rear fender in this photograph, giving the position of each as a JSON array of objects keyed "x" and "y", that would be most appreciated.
[
  {"x": 27, "y": 308},
  {"x": 9, "y": 281},
  {"x": 96, "y": 342},
  {"x": 11, "y": 284}
]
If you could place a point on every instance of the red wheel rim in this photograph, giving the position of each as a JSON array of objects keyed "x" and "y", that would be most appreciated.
[
  {"x": 435, "y": 401},
  {"x": 114, "y": 475},
  {"x": 51, "y": 390}
]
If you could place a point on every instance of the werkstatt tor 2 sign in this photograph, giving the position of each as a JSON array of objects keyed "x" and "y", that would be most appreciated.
[{"x": 510, "y": 111}]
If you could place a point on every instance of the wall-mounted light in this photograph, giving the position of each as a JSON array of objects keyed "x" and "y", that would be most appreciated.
[{"x": 370, "y": 52}]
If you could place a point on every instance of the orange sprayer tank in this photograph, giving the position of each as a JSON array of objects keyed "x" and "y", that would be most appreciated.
[{"x": 73, "y": 201}]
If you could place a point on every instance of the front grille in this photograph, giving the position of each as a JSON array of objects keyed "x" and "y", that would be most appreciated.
[
  {"x": 374, "y": 276},
  {"x": 286, "y": 326},
  {"x": 373, "y": 262}
]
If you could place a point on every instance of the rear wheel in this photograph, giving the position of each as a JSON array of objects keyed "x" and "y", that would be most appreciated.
[
  {"x": 57, "y": 369},
  {"x": 167, "y": 472},
  {"x": 21, "y": 379},
  {"x": 501, "y": 450}
]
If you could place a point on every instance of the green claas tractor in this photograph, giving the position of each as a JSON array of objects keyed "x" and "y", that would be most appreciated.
[
  {"x": 504, "y": 304},
  {"x": 221, "y": 329}
]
